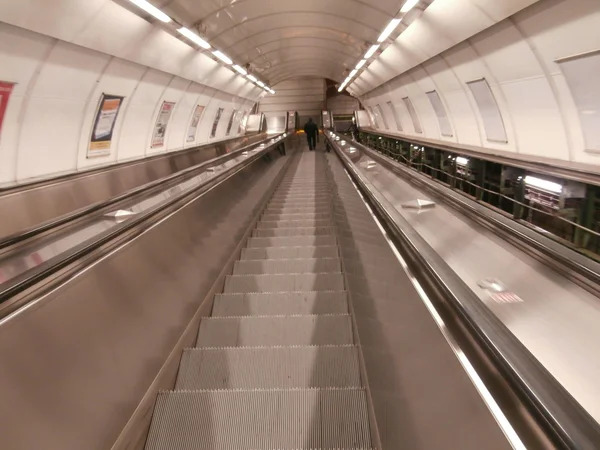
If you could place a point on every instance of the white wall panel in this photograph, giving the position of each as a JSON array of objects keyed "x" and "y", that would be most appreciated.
[
  {"x": 52, "y": 122},
  {"x": 21, "y": 54},
  {"x": 62, "y": 19},
  {"x": 444, "y": 24},
  {"x": 141, "y": 113},
  {"x": 182, "y": 117},
  {"x": 120, "y": 78},
  {"x": 105, "y": 26},
  {"x": 173, "y": 93},
  {"x": 533, "y": 108}
]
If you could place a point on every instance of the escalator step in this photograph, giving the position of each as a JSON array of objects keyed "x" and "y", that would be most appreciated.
[
  {"x": 269, "y": 368},
  {"x": 295, "y": 216},
  {"x": 280, "y": 303},
  {"x": 325, "y": 419},
  {"x": 255, "y": 331},
  {"x": 284, "y": 283},
  {"x": 322, "y": 208},
  {"x": 293, "y": 241},
  {"x": 266, "y": 225},
  {"x": 300, "y": 202},
  {"x": 294, "y": 231},
  {"x": 323, "y": 251},
  {"x": 283, "y": 266}
]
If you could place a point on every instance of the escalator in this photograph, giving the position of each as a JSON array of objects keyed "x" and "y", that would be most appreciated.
[
  {"x": 269, "y": 307},
  {"x": 276, "y": 365}
]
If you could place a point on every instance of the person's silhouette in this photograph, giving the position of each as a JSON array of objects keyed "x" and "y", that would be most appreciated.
[{"x": 312, "y": 131}]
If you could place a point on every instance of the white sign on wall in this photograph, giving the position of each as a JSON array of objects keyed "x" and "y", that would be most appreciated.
[
  {"x": 160, "y": 128},
  {"x": 193, "y": 128}
]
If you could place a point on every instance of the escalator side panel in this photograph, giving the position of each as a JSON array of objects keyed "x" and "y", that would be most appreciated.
[
  {"x": 27, "y": 207},
  {"x": 77, "y": 364},
  {"x": 421, "y": 396}
]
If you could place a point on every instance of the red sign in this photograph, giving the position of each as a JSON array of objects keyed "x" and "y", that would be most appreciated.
[{"x": 5, "y": 91}]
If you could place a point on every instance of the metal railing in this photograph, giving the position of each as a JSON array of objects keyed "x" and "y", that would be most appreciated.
[{"x": 588, "y": 242}]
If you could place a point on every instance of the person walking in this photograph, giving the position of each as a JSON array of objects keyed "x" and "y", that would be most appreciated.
[{"x": 312, "y": 133}]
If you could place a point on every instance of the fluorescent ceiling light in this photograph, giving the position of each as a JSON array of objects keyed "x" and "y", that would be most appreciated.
[
  {"x": 360, "y": 64},
  {"x": 252, "y": 78},
  {"x": 371, "y": 51},
  {"x": 462, "y": 161},
  {"x": 260, "y": 83},
  {"x": 543, "y": 184},
  {"x": 410, "y": 4},
  {"x": 240, "y": 70},
  {"x": 222, "y": 56},
  {"x": 152, "y": 10},
  {"x": 354, "y": 72},
  {"x": 389, "y": 29},
  {"x": 194, "y": 37},
  {"x": 272, "y": 91}
]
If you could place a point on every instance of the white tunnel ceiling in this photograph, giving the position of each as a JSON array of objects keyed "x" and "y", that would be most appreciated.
[{"x": 285, "y": 39}]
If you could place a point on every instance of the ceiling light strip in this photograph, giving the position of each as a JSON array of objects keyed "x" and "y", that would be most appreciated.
[
  {"x": 152, "y": 10},
  {"x": 193, "y": 37},
  {"x": 389, "y": 29},
  {"x": 410, "y": 4}
]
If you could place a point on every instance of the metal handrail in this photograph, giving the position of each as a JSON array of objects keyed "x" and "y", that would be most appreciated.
[
  {"x": 564, "y": 419},
  {"x": 33, "y": 276},
  {"x": 587, "y": 274},
  {"x": 574, "y": 174},
  {"x": 498, "y": 194},
  {"x": 11, "y": 240}
]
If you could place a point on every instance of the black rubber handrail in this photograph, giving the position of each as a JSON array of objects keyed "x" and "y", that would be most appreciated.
[
  {"x": 566, "y": 422},
  {"x": 14, "y": 239},
  {"x": 33, "y": 276}
]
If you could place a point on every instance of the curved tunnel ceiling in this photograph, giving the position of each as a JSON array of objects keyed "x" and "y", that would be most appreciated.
[{"x": 281, "y": 39}]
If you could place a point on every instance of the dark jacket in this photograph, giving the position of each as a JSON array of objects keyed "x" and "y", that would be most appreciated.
[{"x": 311, "y": 129}]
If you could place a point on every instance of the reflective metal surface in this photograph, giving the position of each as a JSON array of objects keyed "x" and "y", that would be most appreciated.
[
  {"x": 32, "y": 254},
  {"x": 421, "y": 396},
  {"x": 528, "y": 308},
  {"x": 78, "y": 362},
  {"x": 28, "y": 206},
  {"x": 555, "y": 319}
]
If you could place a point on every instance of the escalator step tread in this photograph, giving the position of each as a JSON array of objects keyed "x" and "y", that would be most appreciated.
[
  {"x": 280, "y": 303},
  {"x": 287, "y": 266},
  {"x": 269, "y": 368},
  {"x": 326, "y": 208},
  {"x": 334, "y": 329},
  {"x": 326, "y": 419},
  {"x": 291, "y": 252},
  {"x": 291, "y": 241},
  {"x": 265, "y": 225},
  {"x": 268, "y": 217},
  {"x": 294, "y": 231},
  {"x": 284, "y": 282}
]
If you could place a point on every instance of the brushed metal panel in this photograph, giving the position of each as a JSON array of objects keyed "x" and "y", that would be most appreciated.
[
  {"x": 421, "y": 396},
  {"x": 75, "y": 368},
  {"x": 28, "y": 206}
]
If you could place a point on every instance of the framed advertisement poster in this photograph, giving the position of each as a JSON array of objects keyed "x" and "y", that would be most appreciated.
[
  {"x": 213, "y": 132},
  {"x": 193, "y": 128},
  {"x": 230, "y": 124},
  {"x": 104, "y": 125},
  {"x": 162, "y": 121},
  {"x": 5, "y": 92}
]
